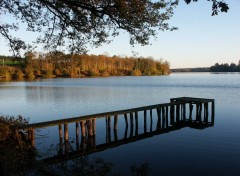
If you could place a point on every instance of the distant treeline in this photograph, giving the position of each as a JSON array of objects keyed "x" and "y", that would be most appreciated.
[
  {"x": 225, "y": 67},
  {"x": 199, "y": 69},
  {"x": 58, "y": 64}
]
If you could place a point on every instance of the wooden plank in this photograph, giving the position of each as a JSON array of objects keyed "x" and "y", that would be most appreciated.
[
  {"x": 87, "y": 117},
  {"x": 65, "y": 132},
  {"x": 175, "y": 101}
]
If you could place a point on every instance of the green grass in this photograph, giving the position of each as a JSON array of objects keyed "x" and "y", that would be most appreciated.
[{"x": 9, "y": 63}]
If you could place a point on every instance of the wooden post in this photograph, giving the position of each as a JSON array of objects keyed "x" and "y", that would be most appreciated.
[
  {"x": 172, "y": 112},
  {"x": 109, "y": 138},
  {"x": 166, "y": 116},
  {"x": 83, "y": 128},
  {"x": 131, "y": 119},
  {"x": 151, "y": 121},
  {"x": 90, "y": 127},
  {"x": 66, "y": 132},
  {"x": 77, "y": 129},
  {"x": 89, "y": 145},
  {"x": 145, "y": 121},
  {"x": 184, "y": 111},
  {"x": 108, "y": 130},
  {"x": 159, "y": 119},
  {"x": 197, "y": 111},
  {"x": 126, "y": 127},
  {"x": 163, "y": 117},
  {"x": 94, "y": 126},
  {"x": 109, "y": 122},
  {"x": 126, "y": 120},
  {"x": 115, "y": 122},
  {"x": 190, "y": 111},
  {"x": 200, "y": 112},
  {"x": 213, "y": 112},
  {"x": 115, "y": 127},
  {"x": 177, "y": 112},
  {"x": 136, "y": 122},
  {"x": 131, "y": 124},
  {"x": 206, "y": 112},
  {"x": 83, "y": 143},
  {"x": 60, "y": 133}
]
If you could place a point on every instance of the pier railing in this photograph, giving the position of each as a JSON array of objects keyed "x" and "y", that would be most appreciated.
[{"x": 179, "y": 113}]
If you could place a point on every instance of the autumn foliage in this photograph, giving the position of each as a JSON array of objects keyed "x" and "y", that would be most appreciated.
[{"x": 35, "y": 65}]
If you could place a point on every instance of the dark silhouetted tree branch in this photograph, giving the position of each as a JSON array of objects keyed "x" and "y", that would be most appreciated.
[{"x": 76, "y": 24}]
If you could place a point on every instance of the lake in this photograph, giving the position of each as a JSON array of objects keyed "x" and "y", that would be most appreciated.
[{"x": 188, "y": 151}]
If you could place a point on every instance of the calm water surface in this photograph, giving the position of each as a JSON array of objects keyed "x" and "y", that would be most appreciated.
[{"x": 212, "y": 151}]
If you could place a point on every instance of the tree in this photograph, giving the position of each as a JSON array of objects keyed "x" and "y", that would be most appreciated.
[{"x": 77, "y": 23}]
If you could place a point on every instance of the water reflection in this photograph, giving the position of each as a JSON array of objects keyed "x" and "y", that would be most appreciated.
[
  {"x": 78, "y": 160},
  {"x": 91, "y": 166},
  {"x": 139, "y": 124}
]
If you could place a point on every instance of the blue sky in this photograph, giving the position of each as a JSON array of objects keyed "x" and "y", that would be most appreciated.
[{"x": 201, "y": 40}]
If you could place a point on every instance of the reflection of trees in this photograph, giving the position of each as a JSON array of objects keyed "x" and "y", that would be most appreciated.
[
  {"x": 16, "y": 155},
  {"x": 15, "y": 160}
]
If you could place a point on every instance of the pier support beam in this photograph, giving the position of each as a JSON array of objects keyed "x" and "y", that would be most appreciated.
[
  {"x": 184, "y": 111},
  {"x": 190, "y": 111},
  {"x": 159, "y": 119},
  {"x": 126, "y": 119},
  {"x": 60, "y": 133},
  {"x": 94, "y": 124},
  {"x": 90, "y": 127},
  {"x": 66, "y": 132},
  {"x": 172, "y": 114},
  {"x": 136, "y": 123},
  {"x": 206, "y": 112},
  {"x": 145, "y": 121},
  {"x": 213, "y": 112},
  {"x": 131, "y": 124},
  {"x": 115, "y": 122},
  {"x": 151, "y": 120},
  {"x": 115, "y": 127},
  {"x": 177, "y": 113},
  {"x": 126, "y": 127},
  {"x": 83, "y": 128},
  {"x": 77, "y": 130},
  {"x": 166, "y": 116},
  {"x": 163, "y": 118}
]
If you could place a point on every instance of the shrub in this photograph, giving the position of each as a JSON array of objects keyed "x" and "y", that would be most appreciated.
[
  {"x": 136, "y": 72},
  {"x": 18, "y": 74},
  {"x": 29, "y": 73},
  {"x": 47, "y": 73},
  {"x": 5, "y": 72}
]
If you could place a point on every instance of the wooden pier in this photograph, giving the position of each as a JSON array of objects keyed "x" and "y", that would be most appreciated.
[{"x": 179, "y": 113}]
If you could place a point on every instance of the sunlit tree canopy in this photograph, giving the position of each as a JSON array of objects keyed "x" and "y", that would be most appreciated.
[{"x": 76, "y": 24}]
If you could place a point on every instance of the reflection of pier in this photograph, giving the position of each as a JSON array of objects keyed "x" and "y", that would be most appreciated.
[{"x": 179, "y": 113}]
